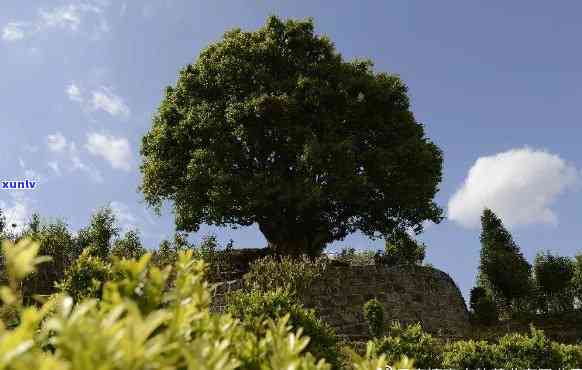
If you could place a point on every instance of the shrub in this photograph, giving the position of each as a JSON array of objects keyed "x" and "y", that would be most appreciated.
[
  {"x": 577, "y": 280},
  {"x": 483, "y": 306},
  {"x": 129, "y": 246},
  {"x": 218, "y": 259},
  {"x": 254, "y": 307},
  {"x": 292, "y": 274},
  {"x": 402, "y": 249},
  {"x": 351, "y": 257},
  {"x": 86, "y": 276},
  {"x": 527, "y": 351},
  {"x": 553, "y": 278},
  {"x": 470, "y": 355},
  {"x": 117, "y": 333},
  {"x": 374, "y": 315},
  {"x": 411, "y": 342}
]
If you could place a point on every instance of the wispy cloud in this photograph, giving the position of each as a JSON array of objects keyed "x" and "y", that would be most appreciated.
[
  {"x": 100, "y": 99},
  {"x": 74, "y": 93},
  {"x": 14, "y": 31},
  {"x": 105, "y": 100},
  {"x": 124, "y": 216},
  {"x": 17, "y": 211},
  {"x": 115, "y": 150},
  {"x": 56, "y": 142},
  {"x": 67, "y": 17},
  {"x": 69, "y": 157}
]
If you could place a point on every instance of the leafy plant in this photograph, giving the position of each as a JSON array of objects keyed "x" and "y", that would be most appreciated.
[
  {"x": 120, "y": 332},
  {"x": 254, "y": 307},
  {"x": 85, "y": 278},
  {"x": 410, "y": 342},
  {"x": 374, "y": 315},
  {"x": 292, "y": 274},
  {"x": 483, "y": 306}
]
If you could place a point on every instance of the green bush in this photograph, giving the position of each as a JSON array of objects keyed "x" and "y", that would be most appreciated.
[
  {"x": 401, "y": 249},
  {"x": 470, "y": 355},
  {"x": 553, "y": 279},
  {"x": 483, "y": 306},
  {"x": 351, "y": 257},
  {"x": 254, "y": 307},
  {"x": 85, "y": 277},
  {"x": 411, "y": 342},
  {"x": 293, "y": 274},
  {"x": 374, "y": 315},
  {"x": 117, "y": 333}
]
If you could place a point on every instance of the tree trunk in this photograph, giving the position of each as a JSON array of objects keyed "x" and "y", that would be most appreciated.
[{"x": 294, "y": 241}]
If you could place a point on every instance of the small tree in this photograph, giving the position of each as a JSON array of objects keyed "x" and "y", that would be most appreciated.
[
  {"x": 503, "y": 270},
  {"x": 553, "y": 278},
  {"x": 100, "y": 233},
  {"x": 577, "y": 280},
  {"x": 402, "y": 249},
  {"x": 482, "y": 306},
  {"x": 374, "y": 315},
  {"x": 129, "y": 246}
]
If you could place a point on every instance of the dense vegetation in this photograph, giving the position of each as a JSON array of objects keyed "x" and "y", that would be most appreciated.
[{"x": 508, "y": 286}]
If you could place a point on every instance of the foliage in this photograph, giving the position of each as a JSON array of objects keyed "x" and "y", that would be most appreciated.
[
  {"x": 482, "y": 306},
  {"x": 577, "y": 280},
  {"x": 100, "y": 233},
  {"x": 55, "y": 242},
  {"x": 292, "y": 274},
  {"x": 553, "y": 278},
  {"x": 526, "y": 352},
  {"x": 85, "y": 277},
  {"x": 272, "y": 127},
  {"x": 254, "y": 307},
  {"x": 176, "y": 331},
  {"x": 503, "y": 269},
  {"x": 219, "y": 259},
  {"x": 402, "y": 249},
  {"x": 352, "y": 257},
  {"x": 470, "y": 355},
  {"x": 374, "y": 315},
  {"x": 412, "y": 342},
  {"x": 129, "y": 246}
]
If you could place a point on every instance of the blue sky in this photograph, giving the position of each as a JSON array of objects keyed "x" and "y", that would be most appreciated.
[{"x": 497, "y": 84}]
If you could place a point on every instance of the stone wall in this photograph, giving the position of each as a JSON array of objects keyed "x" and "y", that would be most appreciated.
[{"x": 409, "y": 294}]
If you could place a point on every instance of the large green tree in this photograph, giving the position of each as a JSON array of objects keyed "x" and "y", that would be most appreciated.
[
  {"x": 273, "y": 127},
  {"x": 503, "y": 269}
]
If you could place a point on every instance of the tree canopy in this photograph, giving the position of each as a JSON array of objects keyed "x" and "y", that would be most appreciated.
[{"x": 273, "y": 127}]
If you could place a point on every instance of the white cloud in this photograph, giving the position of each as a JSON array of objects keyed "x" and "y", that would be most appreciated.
[
  {"x": 124, "y": 216},
  {"x": 102, "y": 99},
  {"x": 105, "y": 100},
  {"x": 56, "y": 142},
  {"x": 54, "y": 165},
  {"x": 13, "y": 31},
  {"x": 115, "y": 150},
  {"x": 519, "y": 185},
  {"x": 78, "y": 164},
  {"x": 18, "y": 212},
  {"x": 74, "y": 92},
  {"x": 29, "y": 173},
  {"x": 68, "y": 17}
]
